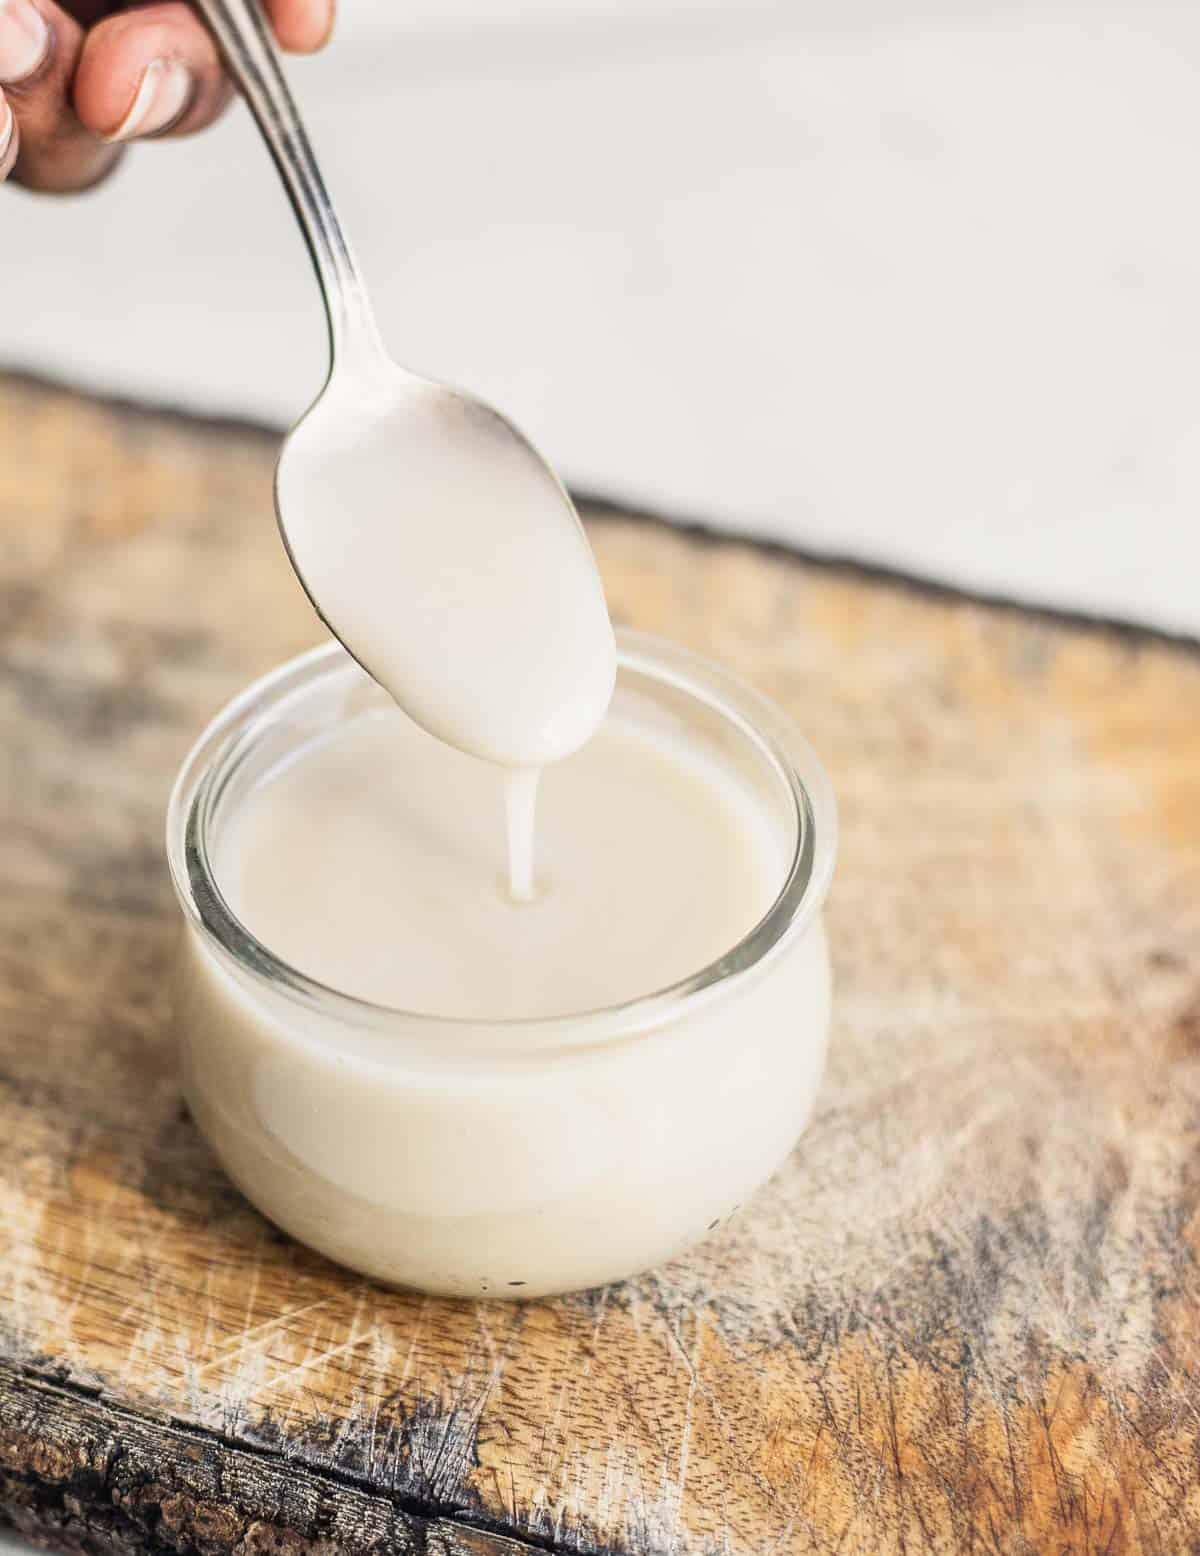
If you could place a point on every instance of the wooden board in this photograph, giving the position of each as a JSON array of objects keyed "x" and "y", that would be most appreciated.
[{"x": 964, "y": 1318}]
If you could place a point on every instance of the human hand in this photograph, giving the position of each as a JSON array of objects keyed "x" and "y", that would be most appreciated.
[{"x": 80, "y": 78}]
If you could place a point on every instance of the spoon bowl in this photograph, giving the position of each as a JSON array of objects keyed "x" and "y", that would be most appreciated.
[{"x": 443, "y": 551}]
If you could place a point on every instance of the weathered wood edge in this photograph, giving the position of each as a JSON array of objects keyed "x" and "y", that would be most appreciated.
[
  {"x": 707, "y": 530},
  {"x": 78, "y": 1473}
]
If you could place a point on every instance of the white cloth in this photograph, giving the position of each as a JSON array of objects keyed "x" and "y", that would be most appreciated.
[{"x": 916, "y": 283}]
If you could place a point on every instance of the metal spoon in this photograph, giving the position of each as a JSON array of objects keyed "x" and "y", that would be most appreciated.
[{"x": 431, "y": 537}]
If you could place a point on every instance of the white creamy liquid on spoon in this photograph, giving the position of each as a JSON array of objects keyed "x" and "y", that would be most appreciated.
[{"x": 469, "y": 592}]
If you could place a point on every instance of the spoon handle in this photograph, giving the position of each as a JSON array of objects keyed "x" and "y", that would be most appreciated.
[{"x": 252, "y": 59}]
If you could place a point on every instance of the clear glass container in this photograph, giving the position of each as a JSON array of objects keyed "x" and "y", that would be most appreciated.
[{"x": 505, "y": 1158}]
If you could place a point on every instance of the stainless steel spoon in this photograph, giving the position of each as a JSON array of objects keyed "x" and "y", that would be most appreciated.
[{"x": 430, "y": 535}]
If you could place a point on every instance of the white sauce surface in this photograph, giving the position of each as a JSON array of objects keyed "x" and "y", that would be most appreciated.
[{"x": 374, "y": 860}]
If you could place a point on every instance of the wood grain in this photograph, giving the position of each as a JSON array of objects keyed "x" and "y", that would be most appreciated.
[{"x": 964, "y": 1318}]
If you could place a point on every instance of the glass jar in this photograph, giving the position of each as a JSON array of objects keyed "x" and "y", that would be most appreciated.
[{"x": 504, "y": 1158}]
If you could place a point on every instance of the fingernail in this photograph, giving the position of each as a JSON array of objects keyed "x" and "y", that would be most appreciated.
[
  {"x": 162, "y": 98},
  {"x": 330, "y": 18},
  {"x": 8, "y": 139},
  {"x": 24, "y": 40}
]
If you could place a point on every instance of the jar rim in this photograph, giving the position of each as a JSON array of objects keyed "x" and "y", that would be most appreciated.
[{"x": 794, "y": 906}]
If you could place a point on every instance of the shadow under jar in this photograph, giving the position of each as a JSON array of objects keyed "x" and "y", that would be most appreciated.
[{"x": 506, "y": 1158}]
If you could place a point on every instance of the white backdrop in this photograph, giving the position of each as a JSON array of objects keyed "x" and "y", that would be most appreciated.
[{"x": 919, "y": 283}]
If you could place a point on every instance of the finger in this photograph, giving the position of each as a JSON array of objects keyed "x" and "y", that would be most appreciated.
[
  {"x": 39, "y": 50},
  {"x": 150, "y": 71},
  {"x": 302, "y": 26},
  {"x": 10, "y": 139}
]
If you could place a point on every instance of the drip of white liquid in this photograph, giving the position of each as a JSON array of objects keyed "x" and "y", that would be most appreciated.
[{"x": 520, "y": 808}]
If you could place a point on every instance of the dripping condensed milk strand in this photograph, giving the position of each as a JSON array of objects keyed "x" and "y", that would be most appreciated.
[{"x": 520, "y": 815}]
